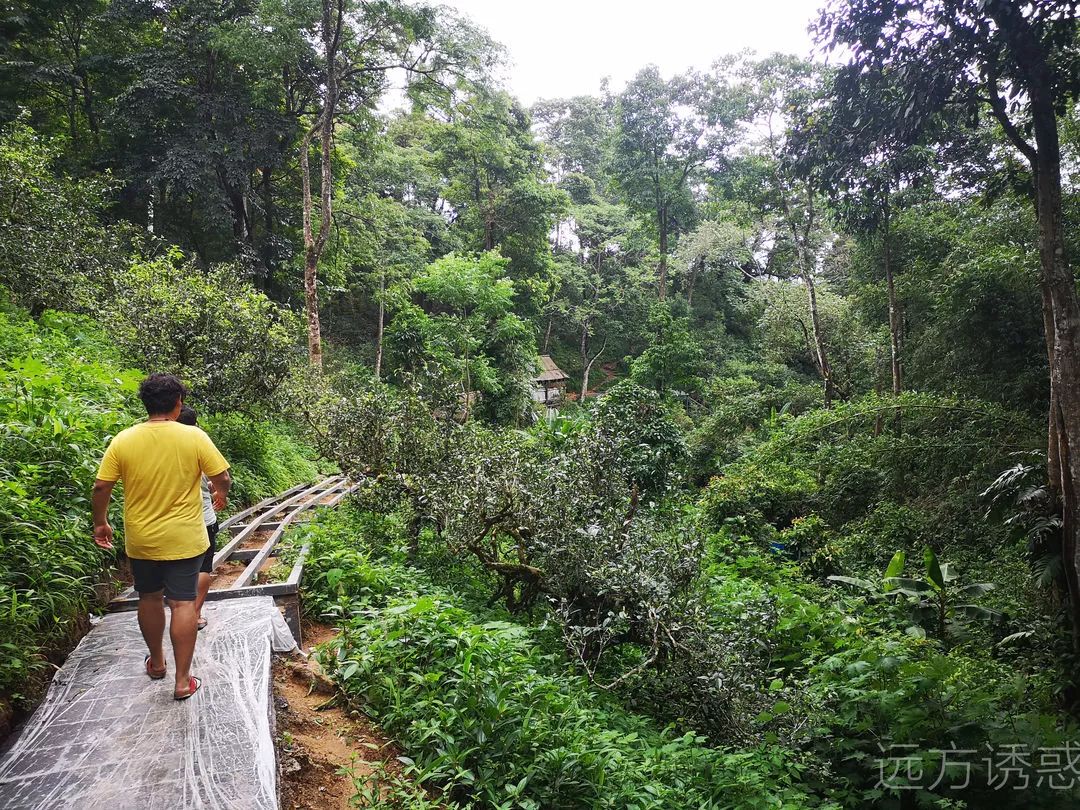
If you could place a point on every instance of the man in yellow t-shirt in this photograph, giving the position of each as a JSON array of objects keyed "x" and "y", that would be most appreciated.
[{"x": 161, "y": 463}]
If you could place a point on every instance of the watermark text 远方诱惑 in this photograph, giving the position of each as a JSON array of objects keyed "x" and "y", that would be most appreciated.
[{"x": 1015, "y": 766}]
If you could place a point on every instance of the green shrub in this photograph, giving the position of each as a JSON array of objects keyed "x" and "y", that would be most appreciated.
[
  {"x": 265, "y": 458},
  {"x": 742, "y": 405},
  {"x": 474, "y": 705},
  {"x": 231, "y": 344},
  {"x": 495, "y": 722},
  {"x": 58, "y": 409},
  {"x": 650, "y": 445},
  {"x": 753, "y": 496},
  {"x": 899, "y": 694}
]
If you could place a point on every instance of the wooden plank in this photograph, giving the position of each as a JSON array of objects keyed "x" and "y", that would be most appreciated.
[
  {"x": 252, "y": 569},
  {"x": 265, "y": 502},
  {"x": 298, "y": 566},
  {"x": 239, "y": 527},
  {"x": 269, "y": 589},
  {"x": 317, "y": 490},
  {"x": 348, "y": 491},
  {"x": 285, "y": 499},
  {"x": 269, "y": 550},
  {"x": 247, "y": 554}
]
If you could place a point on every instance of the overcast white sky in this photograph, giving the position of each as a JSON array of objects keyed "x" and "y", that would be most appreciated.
[{"x": 563, "y": 48}]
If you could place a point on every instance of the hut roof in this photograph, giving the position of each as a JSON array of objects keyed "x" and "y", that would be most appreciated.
[{"x": 549, "y": 372}]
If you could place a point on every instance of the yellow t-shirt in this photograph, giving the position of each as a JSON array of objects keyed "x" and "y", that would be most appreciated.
[{"x": 161, "y": 465}]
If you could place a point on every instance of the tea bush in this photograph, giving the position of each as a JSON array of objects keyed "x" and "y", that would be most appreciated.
[
  {"x": 266, "y": 457},
  {"x": 494, "y": 719}
]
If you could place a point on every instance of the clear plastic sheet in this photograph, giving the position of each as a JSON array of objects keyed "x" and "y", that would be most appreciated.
[{"x": 107, "y": 736}]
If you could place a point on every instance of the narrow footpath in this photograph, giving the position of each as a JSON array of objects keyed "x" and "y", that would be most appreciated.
[{"x": 106, "y": 736}]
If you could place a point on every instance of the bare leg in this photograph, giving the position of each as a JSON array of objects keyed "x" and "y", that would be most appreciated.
[
  {"x": 152, "y": 625},
  {"x": 183, "y": 632},
  {"x": 203, "y": 590}
]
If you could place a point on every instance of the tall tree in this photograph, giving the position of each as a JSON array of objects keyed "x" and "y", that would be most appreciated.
[
  {"x": 666, "y": 131},
  {"x": 196, "y": 120},
  {"x": 783, "y": 84},
  {"x": 51, "y": 63},
  {"x": 358, "y": 45},
  {"x": 577, "y": 132},
  {"x": 496, "y": 185},
  {"x": 455, "y": 323},
  {"x": 1017, "y": 62}
]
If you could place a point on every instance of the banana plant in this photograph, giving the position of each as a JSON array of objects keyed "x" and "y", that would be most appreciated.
[{"x": 935, "y": 595}]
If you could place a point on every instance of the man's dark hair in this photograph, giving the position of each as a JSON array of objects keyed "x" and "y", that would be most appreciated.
[
  {"x": 188, "y": 416},
  {"x": 160, "y": 393}
]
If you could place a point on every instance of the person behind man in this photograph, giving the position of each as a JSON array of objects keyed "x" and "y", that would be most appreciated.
[
  {"x": 188, "y": 416},
  {"x": 161, "y": 463}
]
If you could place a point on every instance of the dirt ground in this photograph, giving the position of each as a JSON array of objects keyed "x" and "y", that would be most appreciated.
[{"x": 317, "y": 738}]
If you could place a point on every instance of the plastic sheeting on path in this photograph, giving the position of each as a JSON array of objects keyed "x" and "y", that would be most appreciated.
[{"x": 107, "y": 736}]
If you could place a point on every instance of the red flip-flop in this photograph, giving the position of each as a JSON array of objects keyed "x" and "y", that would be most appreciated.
[
  {"x": 154, "y": 674},
  {"x": 194, "y": 685}
]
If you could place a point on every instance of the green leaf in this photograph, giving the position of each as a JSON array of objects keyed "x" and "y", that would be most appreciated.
[
  {"x": 911, "y": 587},
  {"x": 896, "y": 566},
  {"x": 976, "y": 589},
  {"x": 863, "y": 584},
  {"x": 1016, "y": 637},
  {"x": 978, "y": 613},
  {"x": 933, "y": 570}
]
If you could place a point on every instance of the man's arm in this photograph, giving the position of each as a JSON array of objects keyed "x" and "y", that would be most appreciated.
[
  {"x": 103, "y": 532},
  {"x": 219, "y": 486}
]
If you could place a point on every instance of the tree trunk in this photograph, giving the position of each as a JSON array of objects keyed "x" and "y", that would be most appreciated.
[
  {"x": 241, "y": 222},
  {"x": 696, "y": 268},
  {"x": 73, "y": 127},
  {"x": 1065, "y": 366},
  {"x": 547, "y": 333},
  {"x": 489, "y": 221},
  {"x": 1059, "y": 287},
  {"x": 895, "y": 322},
  {"x": 332, "y": 23},
  {"x": 586, "y": 366},
  {"x": 1053, "y": 462},
  {"x": 805, "y": 260},
  {"x": 819, "y": 340},
  {"x": 661, "y": 270},
  {"x": 877, "y": 388},
  {"x": 381, "y": 326},
  {"x": 268, "y": 200},
  {"x": 589, "y": 365},
  {"x": 311, "y": 302},
  {"x": 311, "y": 262},
  {"x": 88, "y": 107}
]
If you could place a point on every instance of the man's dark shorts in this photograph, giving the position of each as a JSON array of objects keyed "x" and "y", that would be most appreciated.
[
  {"x": 178, "y": 578},
  {"x": 208, "y": 557}
]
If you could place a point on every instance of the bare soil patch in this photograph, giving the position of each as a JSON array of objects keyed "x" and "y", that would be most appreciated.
[
  {"x": 321, "y": 745},
  {"x": 226, "y": 574}
]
